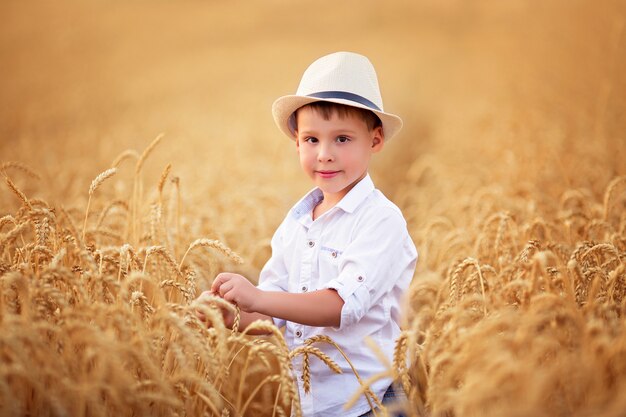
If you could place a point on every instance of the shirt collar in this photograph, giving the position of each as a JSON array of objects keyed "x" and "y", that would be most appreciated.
[
  {"x": 356, "y": 195},
  {"x": 307, "y": 203},
  {"x": 348, "y": 203}
]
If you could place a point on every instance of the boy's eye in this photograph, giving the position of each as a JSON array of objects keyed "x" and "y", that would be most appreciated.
[
  {"x": 343, "y": 139},
  {"x": 310, "y": 139}
]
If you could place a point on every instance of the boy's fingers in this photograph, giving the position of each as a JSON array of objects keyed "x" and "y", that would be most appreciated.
[
  {"x": 204, "y": 296},
  {"x": 230, "y": 296},
  {"x": 225, "y": 288},
  {"x": 217, "y": 283}
]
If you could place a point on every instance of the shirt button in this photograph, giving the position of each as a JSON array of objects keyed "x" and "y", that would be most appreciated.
[
  {"x": 298, "y": 333},
  {"x": 360, "y": 279},
  {"x": 311, "y": 243},
  {"x": 304, "y": 288},
  {"x": 333, "y": 254}
]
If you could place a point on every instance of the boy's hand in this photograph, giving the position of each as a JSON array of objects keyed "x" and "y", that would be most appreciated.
[{"x": 237, "y": 290}]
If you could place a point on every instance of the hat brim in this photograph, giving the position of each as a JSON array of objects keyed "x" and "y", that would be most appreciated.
[{"x": 285, "y": 106}]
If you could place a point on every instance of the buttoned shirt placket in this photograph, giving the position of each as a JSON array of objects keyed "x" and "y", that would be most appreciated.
[{"x": 307, "y": 265}]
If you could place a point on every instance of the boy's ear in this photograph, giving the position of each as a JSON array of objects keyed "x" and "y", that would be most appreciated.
[
  {"x": 378, "y": 139},
  {"x": 297, "y": 142}
]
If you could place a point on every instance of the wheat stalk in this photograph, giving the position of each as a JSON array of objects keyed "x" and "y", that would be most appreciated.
[
  {"x": 127, "y": 154},
  {"x": 115, "y": 203},
  {"x": 137, "y": 184}
]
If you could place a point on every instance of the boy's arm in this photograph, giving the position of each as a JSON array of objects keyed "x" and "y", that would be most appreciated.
[{"x": 320, "y": 308}]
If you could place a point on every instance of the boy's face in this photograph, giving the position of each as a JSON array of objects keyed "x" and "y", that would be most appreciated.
[{"x": 335, "y": 153}]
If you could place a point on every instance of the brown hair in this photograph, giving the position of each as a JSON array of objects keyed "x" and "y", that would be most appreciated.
[{"x": 327, "y": 109}]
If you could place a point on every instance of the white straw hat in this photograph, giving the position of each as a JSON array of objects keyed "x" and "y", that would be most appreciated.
[{"x": 344, "y": 78}]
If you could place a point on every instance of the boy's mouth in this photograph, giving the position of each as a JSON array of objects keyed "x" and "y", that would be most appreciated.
[{"x": 327, "y": 174}]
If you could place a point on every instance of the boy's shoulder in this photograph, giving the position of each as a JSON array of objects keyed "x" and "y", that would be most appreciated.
[
  {"x": 372, "y": 211},
  {"x": 377, "y": 207},
  {"x": 380, "y": 201}
]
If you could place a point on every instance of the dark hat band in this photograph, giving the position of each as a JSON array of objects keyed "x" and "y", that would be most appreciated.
[{"x": 346, "y": 96}]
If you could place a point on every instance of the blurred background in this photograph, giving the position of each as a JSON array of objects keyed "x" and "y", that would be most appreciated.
[
  {"x": 511, "y": 162},
  {"x": 490, "y": 92}
]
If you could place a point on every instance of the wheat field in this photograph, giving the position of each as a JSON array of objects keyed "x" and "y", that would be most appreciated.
[{"x": 139, "y": 159}]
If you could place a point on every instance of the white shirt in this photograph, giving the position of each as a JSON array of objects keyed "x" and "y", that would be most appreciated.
[{"x": 362, "y": 249}]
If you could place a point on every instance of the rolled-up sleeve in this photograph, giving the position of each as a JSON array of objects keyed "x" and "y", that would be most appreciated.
[
  {"x": 274, "y": 275},
  {"x": 372, "y": 264}
]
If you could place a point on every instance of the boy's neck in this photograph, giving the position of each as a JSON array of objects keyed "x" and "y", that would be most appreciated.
[
  {"x": 321, "y": 208},
  {"x": 327, "y": 202}
]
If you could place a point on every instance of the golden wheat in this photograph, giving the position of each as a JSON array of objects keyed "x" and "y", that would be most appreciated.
[{"x": 512, "y": 182}]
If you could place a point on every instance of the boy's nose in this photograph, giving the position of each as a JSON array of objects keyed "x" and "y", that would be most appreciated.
[{"x": 325, "y": 154}]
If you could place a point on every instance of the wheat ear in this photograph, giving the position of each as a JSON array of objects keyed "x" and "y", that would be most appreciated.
[
  {"x": 92, "y": 188},
  {"x": 21, "y": 167},
  {"x": 369, "y": 395},
  {"x": 18, "y": 193},
  {"x": 169, "y": 259},
  {"x": 215, "y": 244},
  {"x": 615, "y": 187},
  {"x": 164, "y": 176}
]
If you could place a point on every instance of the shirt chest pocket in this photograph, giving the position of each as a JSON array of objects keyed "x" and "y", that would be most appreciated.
[{"x": 329, "y": 261}]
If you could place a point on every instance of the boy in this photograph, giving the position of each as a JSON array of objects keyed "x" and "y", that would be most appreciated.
[{"x": 342, "y": 257}]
